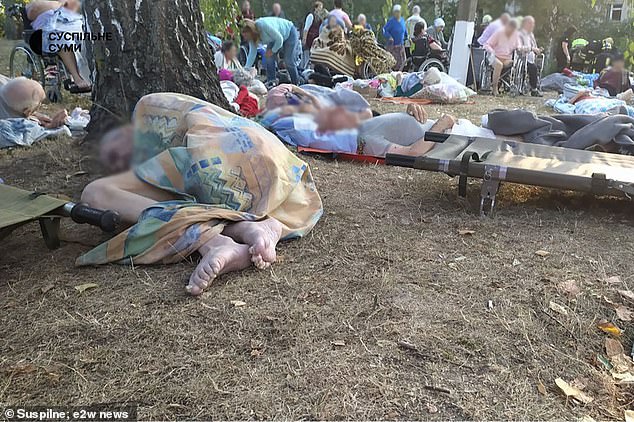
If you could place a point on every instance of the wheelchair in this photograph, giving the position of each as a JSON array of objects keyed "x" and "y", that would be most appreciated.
[
  {"x": 428, "y": 59},
  {"x": 514, "y": 79},
  {"x": 46, "y": 69}
]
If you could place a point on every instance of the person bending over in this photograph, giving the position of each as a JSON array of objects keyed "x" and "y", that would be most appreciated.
[
  {"x": 501, "y": 47},
  {"x": 279, "y": 35},
  {"x": 21, "y": 97},
  {"x": 42, "y": 15},
  {"x": 393, "y": 133},
  {"x": 211, "y": 182}
]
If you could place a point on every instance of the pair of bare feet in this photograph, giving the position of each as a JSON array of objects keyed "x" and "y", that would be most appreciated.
[{"x": 239, "y": 246}]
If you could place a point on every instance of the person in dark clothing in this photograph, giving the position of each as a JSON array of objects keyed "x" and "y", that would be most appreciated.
[
  {"x": 616, "y": 79},
  {"x": 562, "y": 49}
]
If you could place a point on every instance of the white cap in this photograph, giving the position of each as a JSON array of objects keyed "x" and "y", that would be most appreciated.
[
  {"x": 396, "y": 8},
  {"x": 438, "y": 22}
]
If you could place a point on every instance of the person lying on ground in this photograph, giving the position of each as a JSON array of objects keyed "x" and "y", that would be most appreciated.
[
  {"x": 616, "y": 79},
  {"x": 501, "y": 47},
  {"x": 211, "y": 182},
  {"x": 21, "y": 97},
  {"x": 392, "y": 133},
  {"x": 42, "y": 15}
]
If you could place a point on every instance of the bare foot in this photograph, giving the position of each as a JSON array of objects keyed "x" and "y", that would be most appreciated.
[
  {"x": 219, "y": 256},
  {"x": 443, "y": 124},
  {"x": 261, "y": 236}
]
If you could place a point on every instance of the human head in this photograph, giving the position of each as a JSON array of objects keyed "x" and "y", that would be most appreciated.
[
  {"x": 618, "y": 63},
  {"x": 74, "y": 5},
  {"x": 511, "y": 27},
  {"x": 246, "y": 5},
  {"x": 570, "y": 32},
  {"x": 22, "y": 95},
  {"x": 396, "y": 11},
  {"x": 528, "y": 24},
  {"x": 439, "y": 24},
  {"x": 505, "y": 18},
  {"x": 250, "y": 31},
  {"x": 229, "y": 49},
  {"x": 336, "y": 118},
  {"x": 116, "y": 149},
  {"x": 419, "y": 28},
  {"x": 277, "y": 9},
  {"x": 487, "y": 19},
  {"x": 362, "y": 20},
  {"x": 338, "y": 4},
  {"x": 332, "y": 22},
  {"x": 317, "y": 6},
  {"x": 416, "y": 10}
]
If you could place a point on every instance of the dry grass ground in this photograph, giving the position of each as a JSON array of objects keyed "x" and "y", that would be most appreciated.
[{"x": 322, "y": 333}]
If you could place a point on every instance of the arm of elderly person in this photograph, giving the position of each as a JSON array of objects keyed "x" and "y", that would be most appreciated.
[{"x": 36, "y": 8}]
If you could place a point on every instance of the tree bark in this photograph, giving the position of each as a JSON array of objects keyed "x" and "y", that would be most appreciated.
[{"x": 155, "y": 46}]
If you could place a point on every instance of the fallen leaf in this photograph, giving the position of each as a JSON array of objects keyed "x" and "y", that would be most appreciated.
[
  {"x": 238, "y": 303},
  {"x": 87, "y": 286},
  {"x": 623, "y": 313},
  {"x": 47, "y": 288},
  {"x": 560, "y": 309},
  {"x": 621, "y": 364},
  {"x": 573, "y": 392},
  {"x": 338, "y": 343},
  {"x": 541, "y": 388},
  {"x": 466, "y": 232},
  {"x": 629, "y": 416},
  {"x": 615, "y": 279},
  {"x": 608, "y": 327},
  {"x": 542, "y": 253},
  {"x": 625, "y": 378},
  {"x": 516, "y": 262},
  {"x": 613, "y": 347},
  {"x": 627, "y": 294},
  {"x": 570, "y": 287}
]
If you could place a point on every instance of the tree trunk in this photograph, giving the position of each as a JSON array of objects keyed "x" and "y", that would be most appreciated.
[{"x": 155, "y": 46}]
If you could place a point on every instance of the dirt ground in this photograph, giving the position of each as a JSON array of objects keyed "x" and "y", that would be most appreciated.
[{"x": 387, "y": 310}]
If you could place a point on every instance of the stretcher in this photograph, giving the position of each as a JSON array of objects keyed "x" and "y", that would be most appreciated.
[
  {"x": 19, "y": 207},
  {"x": 497, "y": 160}
]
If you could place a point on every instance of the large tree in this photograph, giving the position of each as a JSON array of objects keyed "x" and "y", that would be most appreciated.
[{"x": 155, "y": 46}]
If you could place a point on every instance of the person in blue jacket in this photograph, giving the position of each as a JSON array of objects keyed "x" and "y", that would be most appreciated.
[
  {"x": 395, "y": 33},
  {"x": 279, "y": 35}
]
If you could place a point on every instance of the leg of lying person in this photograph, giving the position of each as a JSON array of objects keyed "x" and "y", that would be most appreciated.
[{"x": 124, "y": 193}]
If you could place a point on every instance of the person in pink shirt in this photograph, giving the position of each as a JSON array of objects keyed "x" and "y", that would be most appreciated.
[
  {"x": 501, "y": 47},
  {"x": 340, "y": 14}
]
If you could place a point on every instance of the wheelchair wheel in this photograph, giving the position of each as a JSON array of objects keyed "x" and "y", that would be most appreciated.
[
  {"x": 24, "y": 62},
  {"x": 486, "y": 76},
  {"x": 429, "y": 63}
]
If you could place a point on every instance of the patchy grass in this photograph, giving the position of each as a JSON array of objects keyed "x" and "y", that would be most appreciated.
[{"x": 385, "y": 311}]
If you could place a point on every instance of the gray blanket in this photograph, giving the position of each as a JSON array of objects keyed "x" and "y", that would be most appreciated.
[
  {"x": 575, "y": 131},
  {"x": 556, "y": 82}
]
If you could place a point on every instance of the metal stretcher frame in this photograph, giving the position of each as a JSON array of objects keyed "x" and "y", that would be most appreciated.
[{"x": 499, "y": 160}]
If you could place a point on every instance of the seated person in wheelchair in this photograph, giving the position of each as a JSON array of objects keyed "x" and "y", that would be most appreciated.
[
  {"x": 41, "y": 13},
  {"x": 501, "y": 47},
  {"x": 529, "y": 47},
  {"x": 21, "y": 97},
  {"x": 616, "y": 79},
  {"x": 424, "y": 45}
]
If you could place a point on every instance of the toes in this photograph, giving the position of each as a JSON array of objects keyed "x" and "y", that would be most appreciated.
[{"x": 260, "y": 263}]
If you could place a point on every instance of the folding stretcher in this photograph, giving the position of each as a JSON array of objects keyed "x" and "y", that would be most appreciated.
[
  {"x": 496, "y": 160},
  {"x": 19, "y": 207}
]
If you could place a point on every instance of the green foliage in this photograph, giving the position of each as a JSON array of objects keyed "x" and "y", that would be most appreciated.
[{"x": 220, "y": 16}]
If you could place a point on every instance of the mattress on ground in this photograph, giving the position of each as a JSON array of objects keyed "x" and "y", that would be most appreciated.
[{"x": 532, "y": 164}]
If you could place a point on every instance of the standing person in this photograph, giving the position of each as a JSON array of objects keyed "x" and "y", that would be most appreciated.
[
  {"x": 412, "y": 21},
  {"x": 278, "y": 35},
  {"x": 501, "y": 47},
  {"x": 362, "y": 21},
  {"x": 562, "y": 49},
  {"x": 277, "y": 12},
  {"x": 486, "y": 21},
  {"x": 311, "y": 29},
  {"x": 395, "y": 33},
  {"x": 246, "y": 12},
  {"x": 529, "y": 47},
  {"x": 437, "y": 32},
  {"x": 339, "y": 13},
  {"x": 494, "y": 27}
]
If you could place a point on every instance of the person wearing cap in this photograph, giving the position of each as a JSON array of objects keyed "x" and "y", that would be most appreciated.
[
  {"x": 486, "y": 21},
  {"x": 437, "y": 32},
  {"x": 411, "y": 22},
  {"x": 395, "y": 32}
]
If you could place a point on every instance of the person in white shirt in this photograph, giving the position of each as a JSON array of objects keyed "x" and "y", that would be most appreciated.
[
  {"x": 529, "y": 47},
  {"x": 227, "y": 57},
  {"x": 494, "y": 27},
  {"x": 411, "y": 22}
]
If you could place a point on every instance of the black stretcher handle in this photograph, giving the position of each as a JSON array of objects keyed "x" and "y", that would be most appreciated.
[
  {"x": 105, "y": 220},
  {"x": 400, "y": 160},
  {"x": 436, "y": 137}
]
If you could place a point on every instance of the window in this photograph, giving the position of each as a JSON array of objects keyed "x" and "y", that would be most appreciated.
[{"x": 616, "y": 12}]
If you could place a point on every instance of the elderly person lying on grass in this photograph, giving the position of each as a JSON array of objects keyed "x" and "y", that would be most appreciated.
[
  {"x": 21, "y": 97},
  {"x": 206, "y": 181}
]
